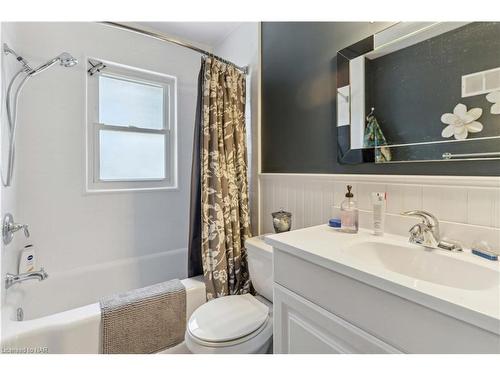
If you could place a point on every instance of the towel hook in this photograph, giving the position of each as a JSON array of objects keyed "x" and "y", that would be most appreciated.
[{"x": 370, "y": 114}]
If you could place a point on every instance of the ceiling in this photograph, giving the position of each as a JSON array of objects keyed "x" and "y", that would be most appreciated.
[{"x": 203, "y": 34}]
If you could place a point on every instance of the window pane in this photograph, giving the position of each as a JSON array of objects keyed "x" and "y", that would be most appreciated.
[
  {"x": 131, "y": 155},
  {"x": 127, "y": 103}
]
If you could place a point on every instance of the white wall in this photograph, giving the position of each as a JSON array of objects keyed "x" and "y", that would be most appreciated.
[
  {"x": 242, "y": 48},
  {"x": 468, "y": 207},
  {"x": 70, "y": 228}
]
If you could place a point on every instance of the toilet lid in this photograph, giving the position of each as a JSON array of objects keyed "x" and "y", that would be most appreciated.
[{"x": 228, "y": 318}]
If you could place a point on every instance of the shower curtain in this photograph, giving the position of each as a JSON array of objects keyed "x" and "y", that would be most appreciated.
[{"x": 224, "y": 211}]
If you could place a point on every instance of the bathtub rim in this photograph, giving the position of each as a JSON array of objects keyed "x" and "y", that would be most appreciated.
[{"x": 13, "y": 330}]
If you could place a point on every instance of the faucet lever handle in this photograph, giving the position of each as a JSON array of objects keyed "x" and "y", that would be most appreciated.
[
  {"x": 427, "y": 218},
  {"x": 9, "y": 227},
  {"x": 14, "y": 227},
  {"x": 26, "y": 230}
]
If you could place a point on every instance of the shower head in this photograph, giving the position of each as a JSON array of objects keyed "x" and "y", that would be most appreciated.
[{"x": 64, "y": 59}]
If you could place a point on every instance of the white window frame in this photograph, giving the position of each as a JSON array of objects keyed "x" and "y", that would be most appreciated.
[{"x": 93, "y": 127}]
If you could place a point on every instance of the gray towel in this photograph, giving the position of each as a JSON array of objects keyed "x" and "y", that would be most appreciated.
[{"x": 144, "y": 320}]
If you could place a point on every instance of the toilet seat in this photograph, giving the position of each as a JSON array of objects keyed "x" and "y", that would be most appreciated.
[
  {"x": 222, "y": 344},
  {"x": 231, "y": 324}
]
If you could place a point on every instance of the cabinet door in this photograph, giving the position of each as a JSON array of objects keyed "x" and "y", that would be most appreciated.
[{"x": 301, "y": 327}]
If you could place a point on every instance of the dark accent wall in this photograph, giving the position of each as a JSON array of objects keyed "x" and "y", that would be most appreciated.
[{"x": 298, "y": 103}]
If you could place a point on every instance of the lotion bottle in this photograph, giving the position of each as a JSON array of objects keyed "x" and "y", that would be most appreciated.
[
  {"x": 349, "y": 213},
  {"x": 379, "y": 203},
  {"x": 27, "y": 261}
]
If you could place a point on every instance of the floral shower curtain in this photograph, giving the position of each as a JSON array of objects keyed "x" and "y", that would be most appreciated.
[{"x": 225, "y": 220}]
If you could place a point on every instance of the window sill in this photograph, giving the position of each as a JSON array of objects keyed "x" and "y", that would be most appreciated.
[{"x": 90, "y": 191}]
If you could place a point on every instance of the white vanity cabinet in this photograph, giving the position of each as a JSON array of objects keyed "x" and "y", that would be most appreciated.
[
  {"x": 301, "y": 327},
  {"x": 323, "y": 305}
]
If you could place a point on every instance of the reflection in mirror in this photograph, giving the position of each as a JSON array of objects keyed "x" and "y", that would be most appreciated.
[{"x": 420, "y": 91}]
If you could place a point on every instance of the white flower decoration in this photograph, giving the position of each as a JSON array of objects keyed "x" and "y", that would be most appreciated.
[
  {"x": 494, "y": 97},
  {"x": 461, "y": 122}
]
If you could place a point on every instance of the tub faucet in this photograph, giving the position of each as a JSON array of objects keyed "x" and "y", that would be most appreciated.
[
  {"x": 427, "y": 232},
  {"x": 11, "y": 279}
]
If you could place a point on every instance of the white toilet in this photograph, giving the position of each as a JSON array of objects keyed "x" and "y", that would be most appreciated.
[{"x": 240, "y": 324}]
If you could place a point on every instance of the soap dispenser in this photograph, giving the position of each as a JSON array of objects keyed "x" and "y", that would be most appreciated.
[{"x": 349, "y": 213}]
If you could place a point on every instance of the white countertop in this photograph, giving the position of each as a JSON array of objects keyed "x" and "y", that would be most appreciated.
[{"x": 329, "y": 248}]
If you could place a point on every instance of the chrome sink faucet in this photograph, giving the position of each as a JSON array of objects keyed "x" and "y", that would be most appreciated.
[
  {"x": 427, "y": 232},
  {"x": 11, "y": 279}
]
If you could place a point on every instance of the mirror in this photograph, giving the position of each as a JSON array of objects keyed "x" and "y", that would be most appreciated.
[{"x": 420, "y": 91}]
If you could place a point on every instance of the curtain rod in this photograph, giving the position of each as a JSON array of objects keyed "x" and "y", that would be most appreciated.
[{"x": 165, "y": 38}]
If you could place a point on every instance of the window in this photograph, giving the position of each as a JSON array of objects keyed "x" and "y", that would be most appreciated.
[{"x": 131, "y": 141}]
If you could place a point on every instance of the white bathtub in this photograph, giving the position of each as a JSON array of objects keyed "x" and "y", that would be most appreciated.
[{"x": 62, "y": 314}]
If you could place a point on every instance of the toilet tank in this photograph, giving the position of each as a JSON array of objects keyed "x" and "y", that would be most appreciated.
[{"x": 260, "y": 265}]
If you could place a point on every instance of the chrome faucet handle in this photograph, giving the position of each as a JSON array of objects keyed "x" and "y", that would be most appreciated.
[
  {"x": 15, "y": 227},
  {"x": 428, "y": 219},
  {"x": 425, "y": 233},
  {"x": 9, "y": 227}
]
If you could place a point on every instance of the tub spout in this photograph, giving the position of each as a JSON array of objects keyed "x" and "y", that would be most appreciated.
[{"x": 11, "y": 279}]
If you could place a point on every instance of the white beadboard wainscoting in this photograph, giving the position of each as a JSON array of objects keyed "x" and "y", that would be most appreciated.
[{"x": 468, "y": 208}]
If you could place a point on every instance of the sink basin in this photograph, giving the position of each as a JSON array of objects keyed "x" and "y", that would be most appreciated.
[
  {"x": 456, "y": 284},
  {"x": 425, "y": 264}
]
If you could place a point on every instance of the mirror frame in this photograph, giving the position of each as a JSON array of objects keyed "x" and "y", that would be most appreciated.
[{"x": 345, "y": 154}]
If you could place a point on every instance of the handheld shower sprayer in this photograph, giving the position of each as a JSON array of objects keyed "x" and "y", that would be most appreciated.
[
  {"x": 11, "y": 101},
  {"x": 64, "y": 59}
]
